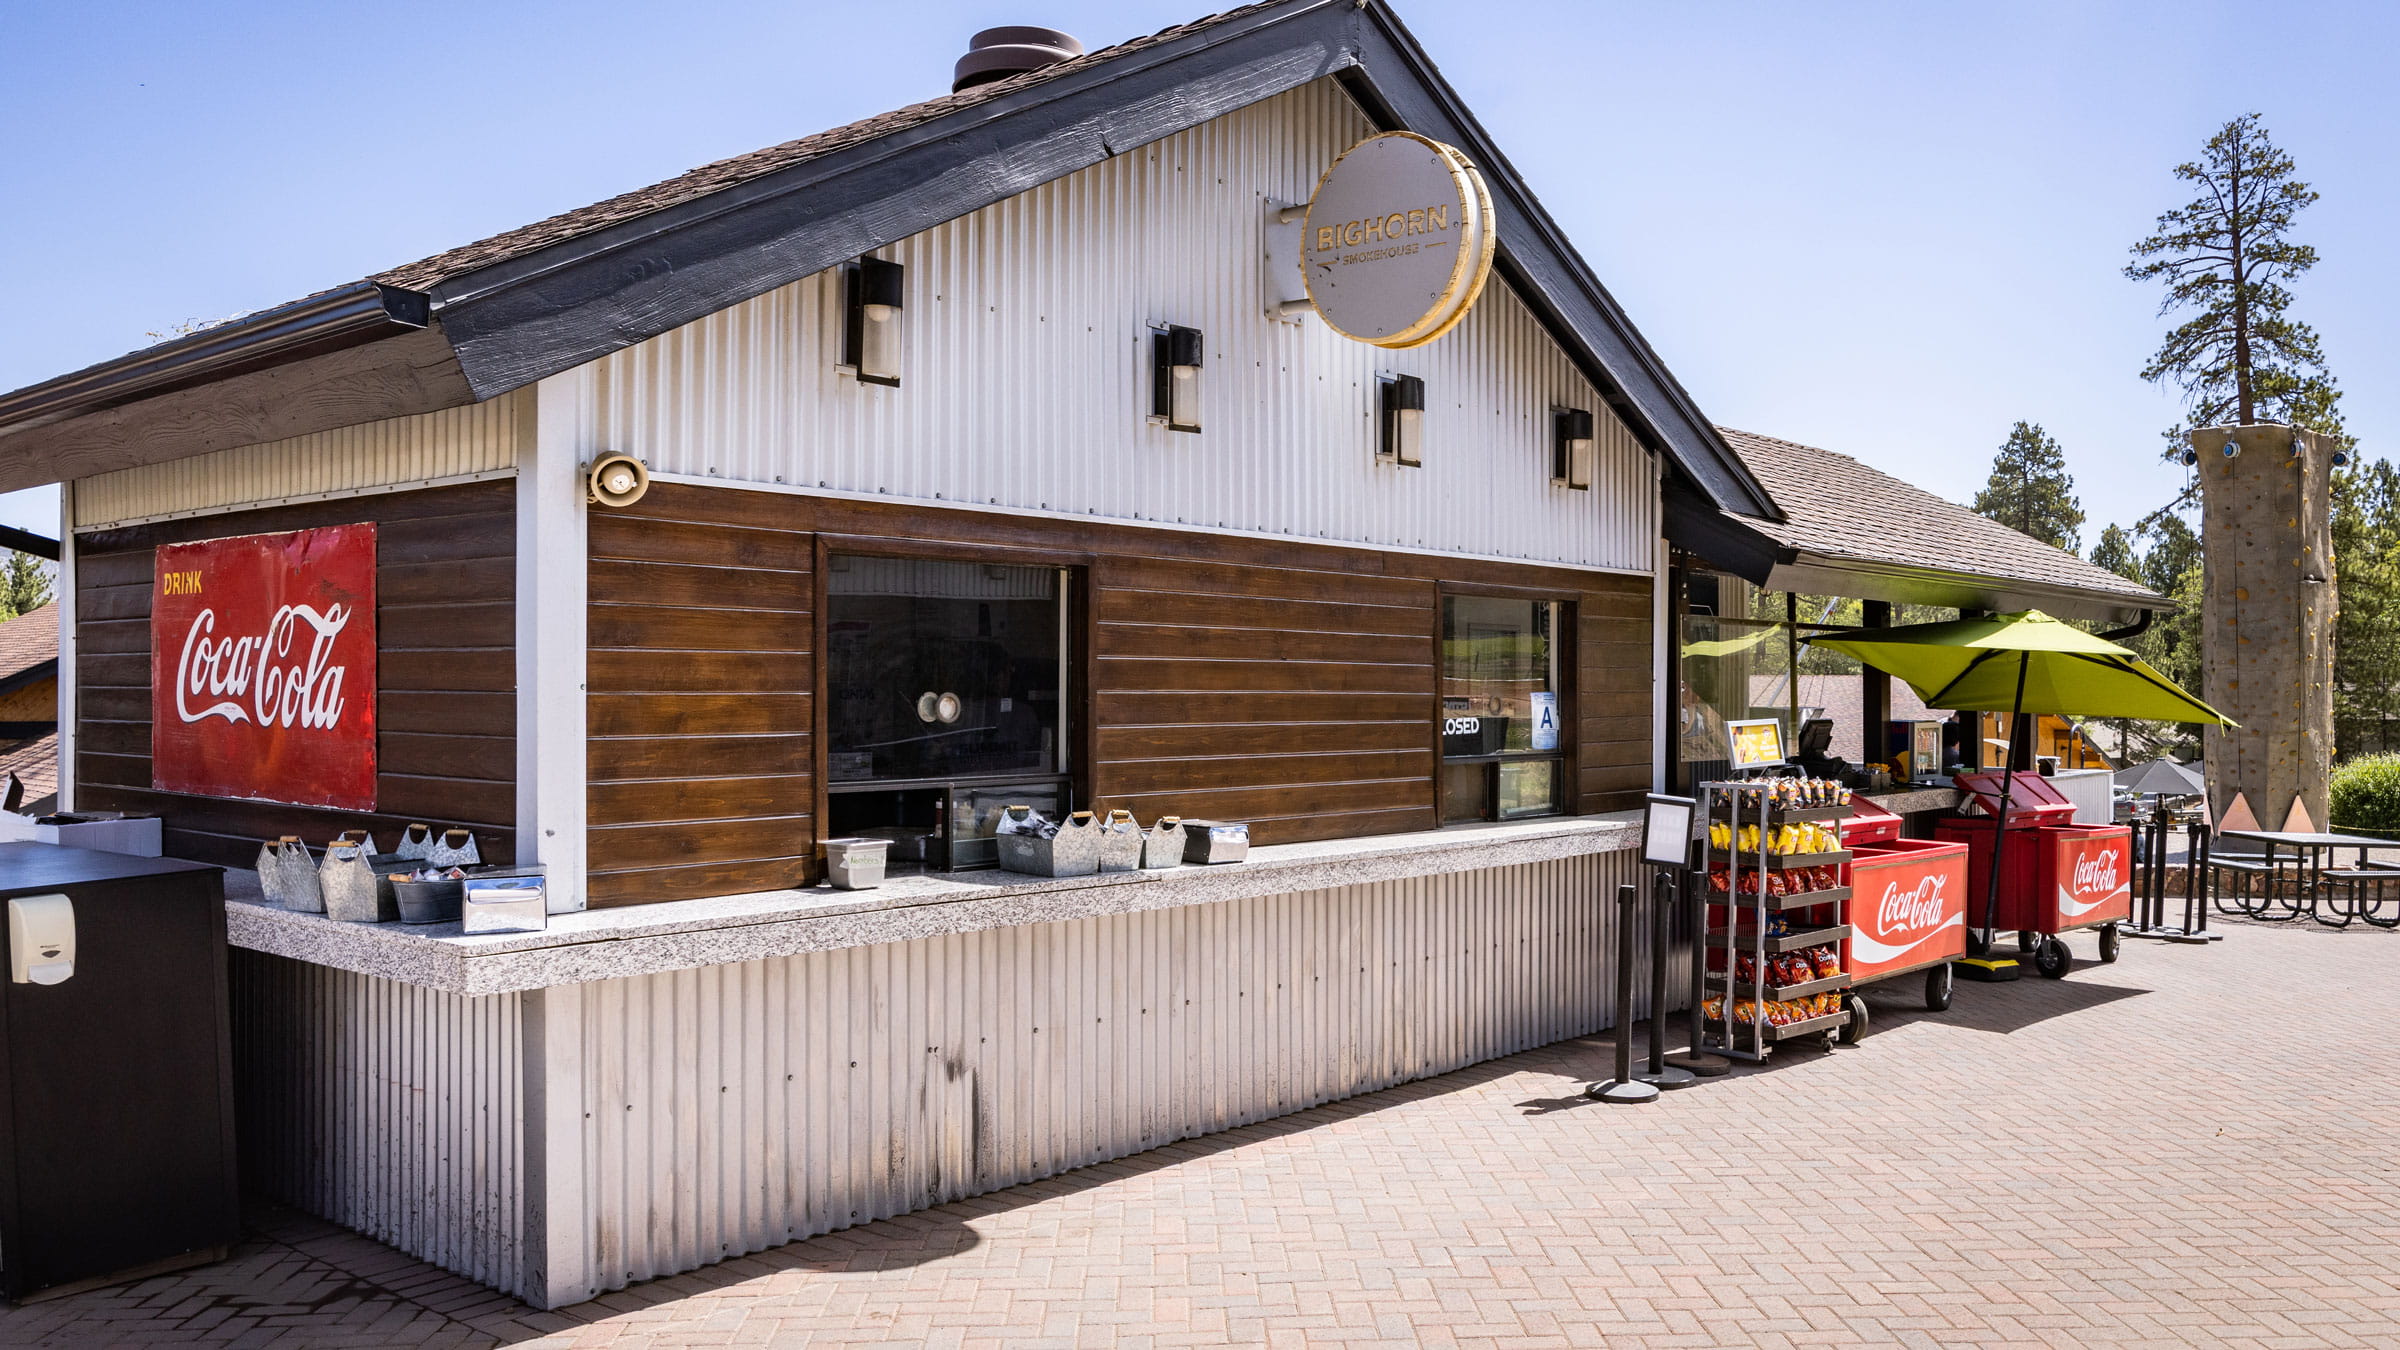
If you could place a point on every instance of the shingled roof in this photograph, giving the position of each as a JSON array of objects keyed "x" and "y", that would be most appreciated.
[
  {"x": 474, "y": 322},
  {"x": 1845, "y": 521},
  {"x": 28, "y": 643},
  {"x": 428, "y": 273}
]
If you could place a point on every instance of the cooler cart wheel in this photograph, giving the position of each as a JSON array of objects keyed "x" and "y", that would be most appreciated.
[
  {"x": 2027, "y": 942},
  {"x": 2052, "y": 958},
  {"x": 1856, "y": 1027},
  {"x": 2108, "y": 943},
  {"x": 1937, "y": 988}
]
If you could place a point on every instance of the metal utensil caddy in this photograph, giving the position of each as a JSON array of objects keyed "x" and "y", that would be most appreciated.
[{"x": 1747, "y": 905}]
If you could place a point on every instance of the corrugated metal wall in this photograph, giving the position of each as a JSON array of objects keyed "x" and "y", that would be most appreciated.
[
  {"x": 1025, "y": 378},
  {"x": 389, "y": 1108},
  {"x": 737, "y": 1107},
  {"x": 452, "y": 445}
]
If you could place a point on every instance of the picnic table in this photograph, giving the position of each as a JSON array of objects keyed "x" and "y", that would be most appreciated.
[{"x": 2311, "y": 850}]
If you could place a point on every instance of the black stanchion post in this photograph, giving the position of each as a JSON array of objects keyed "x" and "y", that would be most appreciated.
[
  {"x": 2158, "y": 873},
  {"x": 1662, "y": 918},
  {"x": 2196, "y": 882},
  {"x": 1624, "y": 1089}
]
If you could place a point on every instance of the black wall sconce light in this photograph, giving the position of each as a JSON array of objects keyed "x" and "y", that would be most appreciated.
[
  {"x": 1175, "y": 377},
  {"x": 871, "y": 327},
  {"x": 1402, "y": 438},
  {"x": 1571, "y": 447}
]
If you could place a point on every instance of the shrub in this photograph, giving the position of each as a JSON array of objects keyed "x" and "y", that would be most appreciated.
[{"x": 2365, "y": 794}]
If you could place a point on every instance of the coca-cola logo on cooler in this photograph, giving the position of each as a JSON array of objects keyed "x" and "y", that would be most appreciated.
[
  {"x": 1906, "y": 911},
  {"x": 263, "y": 667},
  {"x": 2098, "y": 877},
  {"x": 1911, "y": 912}
]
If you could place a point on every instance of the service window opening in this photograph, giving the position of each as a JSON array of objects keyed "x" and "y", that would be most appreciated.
[
  {"x": 945, "y": 702},
  {"x": 1502, "y": 748}
]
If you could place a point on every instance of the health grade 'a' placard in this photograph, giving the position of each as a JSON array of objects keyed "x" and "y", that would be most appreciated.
[{"x": 262, "y": 668}]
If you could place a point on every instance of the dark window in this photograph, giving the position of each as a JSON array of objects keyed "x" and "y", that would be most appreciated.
[
  {"x": 945, "y": 700},
  {"x": 1503, "y": 734}
]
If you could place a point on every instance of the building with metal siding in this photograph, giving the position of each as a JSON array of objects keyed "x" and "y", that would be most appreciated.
[
  {"x": 719, "y": 1054},
  {"x": 1026, "y": 333}
]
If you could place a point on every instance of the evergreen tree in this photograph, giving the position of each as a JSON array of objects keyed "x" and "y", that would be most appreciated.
[
  {"x": 2030, "y": 491},
  {"x": 24, "y": 584},
  {"x": 2116, "y": 552},
  {"x": 2366, "y": 633},
  {"x": 2225, "y": 259}
]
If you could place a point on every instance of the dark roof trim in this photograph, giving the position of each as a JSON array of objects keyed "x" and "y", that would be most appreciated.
[
  {"x": 26, "y": 541},
  {"x": 345, "y": 317},
  {"x": 576, "y": 301},
  {"x": 33, "y": 674},
  {"x": 516, "y": 321},
  {"x": 1693, "y": 523}
]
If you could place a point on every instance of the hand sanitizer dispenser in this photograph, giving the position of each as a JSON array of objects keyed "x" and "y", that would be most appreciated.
[{"x": 41, "y": 939}]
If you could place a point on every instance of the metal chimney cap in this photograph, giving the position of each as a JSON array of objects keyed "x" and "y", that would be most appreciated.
[{"x": 997, "y": 53}]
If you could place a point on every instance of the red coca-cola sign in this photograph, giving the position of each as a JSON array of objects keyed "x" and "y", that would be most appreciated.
[
  {"x": 2095, "y": 883},
  {"x": 262, "y": 668},
  {"x": 1907, "y": 907}
]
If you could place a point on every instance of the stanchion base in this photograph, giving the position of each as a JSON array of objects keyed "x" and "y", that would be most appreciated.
[
  {"x": 1669, "y": 1078},
  {"x": 1701, "y": 1062},
  {"x": 2193, "y": 939},
  {"x": 1622, "y": 1093},
  {"x": 2162, "y": 934},
  {"x": 1986, "y": 969}
]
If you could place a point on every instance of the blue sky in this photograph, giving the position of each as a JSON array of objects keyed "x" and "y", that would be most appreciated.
[{"x": 1891, "y": 229}]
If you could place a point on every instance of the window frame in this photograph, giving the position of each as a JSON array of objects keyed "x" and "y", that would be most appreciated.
[
  {"x": 1566, "y": 662},
  {"x": 1079, "y": 633}
]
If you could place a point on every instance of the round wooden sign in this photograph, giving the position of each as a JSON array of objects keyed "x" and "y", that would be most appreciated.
[{"x": 1399, "y": 240}]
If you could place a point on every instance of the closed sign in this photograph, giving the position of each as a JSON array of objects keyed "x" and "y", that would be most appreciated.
[{"x": 262, "y": 668}]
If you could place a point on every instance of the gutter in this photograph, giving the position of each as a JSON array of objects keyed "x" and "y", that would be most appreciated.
[{"x": 347, "y": 316}]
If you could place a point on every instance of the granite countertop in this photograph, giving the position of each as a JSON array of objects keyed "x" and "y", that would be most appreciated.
[
  {"x": 1912, "y": 800},
  {"x": 683, "y": 934}
]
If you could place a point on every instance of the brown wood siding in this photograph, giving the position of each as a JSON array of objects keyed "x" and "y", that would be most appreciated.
[
  {"x": 1290, "y": 685},
  {"x": 445, "y": 707},
  {"x": 700, "y": 697}
]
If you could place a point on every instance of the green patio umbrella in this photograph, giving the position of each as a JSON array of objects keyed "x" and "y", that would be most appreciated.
[{"x": 2020, "y": 663}]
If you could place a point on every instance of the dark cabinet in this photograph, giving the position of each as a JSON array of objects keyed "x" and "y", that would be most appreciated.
[{"x": 116, "y": 1084}]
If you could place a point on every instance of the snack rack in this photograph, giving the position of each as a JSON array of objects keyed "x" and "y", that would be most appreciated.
[{"x": 1755, "y": 919}]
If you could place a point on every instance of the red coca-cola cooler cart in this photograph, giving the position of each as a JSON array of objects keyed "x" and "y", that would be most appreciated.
[
  {"x": 1907, "y": 908},
  {"x": 2055, "y": 877}
]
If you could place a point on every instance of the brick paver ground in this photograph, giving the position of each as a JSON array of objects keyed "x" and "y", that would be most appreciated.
[{"x": 2192, "y": 1145}]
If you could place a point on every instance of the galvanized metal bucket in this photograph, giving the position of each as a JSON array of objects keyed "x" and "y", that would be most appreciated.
[
  {"x": 299, "y": 874},
  {"x": 456, "y": 848},
  {"x": 416, "y": 842},
  {"x": 1073, "y": 852},
  {"x": 1120, "y": 843},
  {"x": 1163, "y": 846},
  {"x": 354, "y": 892}
]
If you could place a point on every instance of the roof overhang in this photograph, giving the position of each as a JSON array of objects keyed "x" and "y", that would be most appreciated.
[
  {"x": 1734, "y": 545},
  {"x": 508, "y": 324}
]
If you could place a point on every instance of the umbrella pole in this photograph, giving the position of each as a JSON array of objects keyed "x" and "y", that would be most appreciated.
[{"x": 2008, "y": 780}]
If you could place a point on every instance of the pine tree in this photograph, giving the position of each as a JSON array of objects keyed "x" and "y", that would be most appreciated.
[
  {"x": 2366, "y": 633},
  {"x": 2030, "y": 491},
  {"x": 24, "y": 584},
  {"x": 2116, "y": 552},
  {"x": 2225, "y": 258}
]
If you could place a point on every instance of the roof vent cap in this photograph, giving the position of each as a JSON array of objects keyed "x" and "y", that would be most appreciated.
[{"x": 997, "y": 53}]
